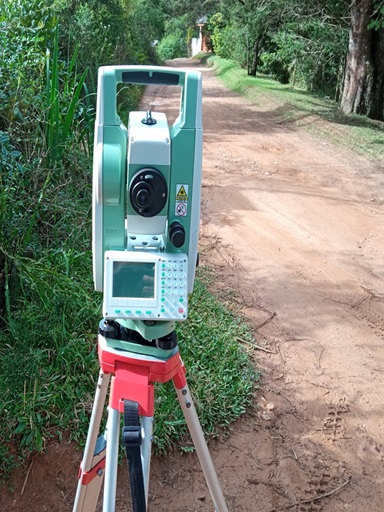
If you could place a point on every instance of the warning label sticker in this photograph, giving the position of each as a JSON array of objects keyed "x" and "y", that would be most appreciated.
[
  {"x": 181, "y": 209},
  {"x": 181, "y": 192}
]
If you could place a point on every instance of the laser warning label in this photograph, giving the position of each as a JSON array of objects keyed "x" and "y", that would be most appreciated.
[{"x": 182, "y": 192}]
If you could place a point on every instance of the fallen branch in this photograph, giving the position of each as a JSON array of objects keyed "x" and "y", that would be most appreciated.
[
  {"x": 266, "y": 321},
  {"x": 26, "y": 477},
  {"x": 311, "y": 500},
  {"x": 257, "y": 347}
]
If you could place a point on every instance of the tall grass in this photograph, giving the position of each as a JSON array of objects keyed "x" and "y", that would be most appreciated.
[
  {"x": 48, "y": 365},
  {"x": 63, "y": 90},
  {"x": 48, "y": 310}
]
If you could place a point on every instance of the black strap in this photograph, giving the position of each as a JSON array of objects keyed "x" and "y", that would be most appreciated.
[{"x": 131, "y": 436}]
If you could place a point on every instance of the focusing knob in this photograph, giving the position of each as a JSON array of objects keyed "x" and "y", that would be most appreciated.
[{"x": 177, "y": 234}]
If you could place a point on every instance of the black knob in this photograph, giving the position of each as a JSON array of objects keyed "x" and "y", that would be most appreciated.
[
  {"x": 109, "y": 329},
  {"x": 168, "y": 342},
  {"x": 177, "y": 234}
]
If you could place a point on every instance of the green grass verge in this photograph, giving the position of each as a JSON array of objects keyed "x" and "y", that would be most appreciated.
[
  {"x": 49, "y": 316},
  {"x": 301, "y": 108}
]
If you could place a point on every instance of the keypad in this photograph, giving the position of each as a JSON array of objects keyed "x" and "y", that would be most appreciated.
[{"x": 173, "y": 289}]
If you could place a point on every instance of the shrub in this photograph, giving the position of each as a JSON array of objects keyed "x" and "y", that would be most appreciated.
[{"x": 171, "y": 47}]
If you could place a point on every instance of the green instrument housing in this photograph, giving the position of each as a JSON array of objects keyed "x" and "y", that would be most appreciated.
[{"x": 120, "y": 152}]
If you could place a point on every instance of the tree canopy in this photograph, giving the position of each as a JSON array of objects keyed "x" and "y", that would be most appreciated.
[{"x": 329, "y": 47}]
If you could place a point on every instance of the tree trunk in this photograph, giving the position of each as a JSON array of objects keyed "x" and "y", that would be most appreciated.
[
  {"x": 358, "y": 58},
  {"x": 255, "y": 52},
  {"x": 364, "y": 73},
  {"x": 375, "y": 96},
  {"x": 294, "y": 72}
]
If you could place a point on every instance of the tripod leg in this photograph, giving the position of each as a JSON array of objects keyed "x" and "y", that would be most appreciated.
[
  {"x": 146, "y": 444},
  {"x": 91, "y": 469},
  {"x": 202, "y": 451},
  {"x": 110, "y": 480}
]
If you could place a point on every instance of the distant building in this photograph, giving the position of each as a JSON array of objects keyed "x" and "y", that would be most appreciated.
[{"x": 201, "y": 43}]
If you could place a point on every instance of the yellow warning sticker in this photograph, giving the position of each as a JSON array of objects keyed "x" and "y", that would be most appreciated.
[{"x": 181, "y": 192}]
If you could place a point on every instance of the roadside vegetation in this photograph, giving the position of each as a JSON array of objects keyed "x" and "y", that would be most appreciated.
[
  {"x": 49, "y": 313},
  {"x": 302, "y": 108}
]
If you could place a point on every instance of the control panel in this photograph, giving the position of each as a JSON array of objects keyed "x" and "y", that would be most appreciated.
[{"x": 145, "y": 286}]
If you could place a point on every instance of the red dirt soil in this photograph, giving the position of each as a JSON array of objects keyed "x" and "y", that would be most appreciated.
[{"x": 294, "y": 224}]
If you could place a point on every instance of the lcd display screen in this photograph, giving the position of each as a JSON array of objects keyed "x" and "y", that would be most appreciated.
[{"x": 133, "y": 280}]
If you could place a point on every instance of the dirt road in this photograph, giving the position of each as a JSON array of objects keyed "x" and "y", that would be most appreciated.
[{"x": 295, "y": 225}]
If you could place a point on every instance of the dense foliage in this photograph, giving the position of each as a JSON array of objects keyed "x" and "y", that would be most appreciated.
[
  {"x": 334, "y": 48},
  {"x": 47, "y": 307},
  {"x": 298, "y": 42}
]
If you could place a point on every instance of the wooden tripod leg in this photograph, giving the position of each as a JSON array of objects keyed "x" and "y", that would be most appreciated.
[
  {"x": 91, "y": 470},
  {"x": 202, "y": 451}
]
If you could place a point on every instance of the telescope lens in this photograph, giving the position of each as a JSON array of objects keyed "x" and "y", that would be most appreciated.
[
  {"x": 143, "y": 198},
  {"x": 148, "y": 192}
]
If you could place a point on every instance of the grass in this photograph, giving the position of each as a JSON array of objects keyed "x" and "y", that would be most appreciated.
[{"x": 318, "y": 115}]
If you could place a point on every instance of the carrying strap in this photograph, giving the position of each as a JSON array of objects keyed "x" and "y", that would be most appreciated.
[{"x": 131, "y": 437}]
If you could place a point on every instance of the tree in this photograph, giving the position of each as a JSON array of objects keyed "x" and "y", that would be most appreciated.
[{"x": 363, "y": 91}]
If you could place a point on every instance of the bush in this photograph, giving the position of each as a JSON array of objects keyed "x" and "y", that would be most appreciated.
[{"x": 171, "y": 47}]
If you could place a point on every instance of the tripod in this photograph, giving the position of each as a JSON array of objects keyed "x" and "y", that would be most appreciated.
[{"x": 131, "y": 368}]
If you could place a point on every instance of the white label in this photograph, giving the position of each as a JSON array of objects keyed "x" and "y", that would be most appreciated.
[{"x": 181, "y": 208}]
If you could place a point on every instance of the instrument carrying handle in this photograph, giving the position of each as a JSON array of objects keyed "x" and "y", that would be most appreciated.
[{"x": 188, "y": 80}]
